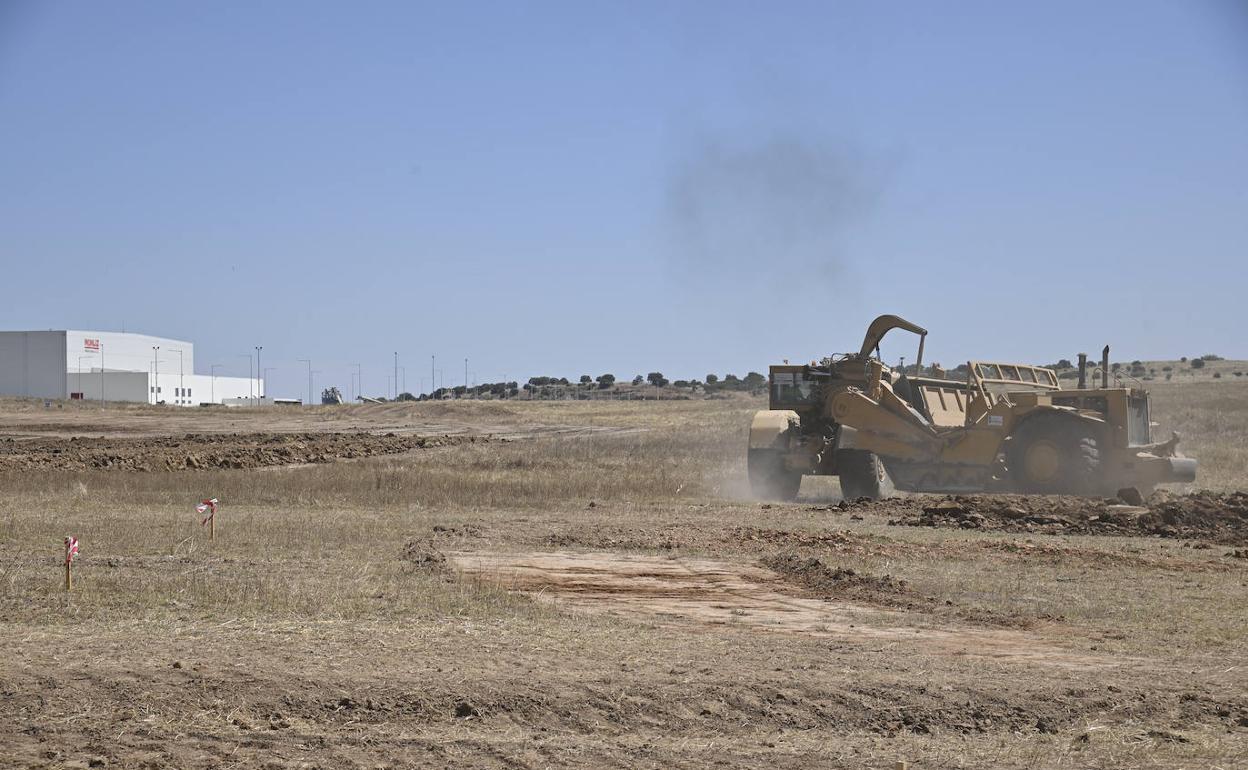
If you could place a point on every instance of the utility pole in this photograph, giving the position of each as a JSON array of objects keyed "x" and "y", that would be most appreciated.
[
  {"x": 260, "y": 382},
  {"x": 155, "y": 374},
  {"x": 308, "y": 361},
  {"x": 103, "y": 402},
  {"x": 212, "y": 372},
  {"x": 359, "y": 381},
  {"x": 396, "y": 374},
  {"x": 433, "y": 374},
  {"x": 465, "y": 377}
]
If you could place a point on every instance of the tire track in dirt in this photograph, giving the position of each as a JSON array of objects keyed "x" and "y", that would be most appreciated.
[{"x": 719, "y": 593}]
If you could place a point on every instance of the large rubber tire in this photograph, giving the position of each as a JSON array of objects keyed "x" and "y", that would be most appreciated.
[
  {"x": 1054, "y": 454},
  {"x": 769, "y": 478},
  {"x": 863, "y": 475}
]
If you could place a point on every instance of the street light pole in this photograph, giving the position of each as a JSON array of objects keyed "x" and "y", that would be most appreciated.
[
  {"x": 308, "y": 361},
  {"x": 359, "y": 382},
  {"x": 396, "y": 375},
  {"x": 155, "y": 373},
  {"x": 433, "y": 374},
  {"x": 260, "y": 383}
]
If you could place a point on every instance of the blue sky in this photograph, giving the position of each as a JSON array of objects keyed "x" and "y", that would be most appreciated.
[{"x": 590, "y": 187}]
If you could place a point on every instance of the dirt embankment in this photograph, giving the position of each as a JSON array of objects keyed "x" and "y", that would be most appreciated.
[
  {"x": 202, "y": 451},
  {"x": 1209, "y": 516}
]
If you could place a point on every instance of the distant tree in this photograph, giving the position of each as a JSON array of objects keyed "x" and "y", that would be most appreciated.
[
  {"x": 732, "y": 382},
  {"x": 1183, "y": 359},
  {"x": 680, "y": 384},
  {"x": 656, "y": 379},
  {"x": 1198, "y": 363},
  {"x": 1063, "y": 364},
  {"x": 1211, "y": 357},
  {"x": 1114, "y": 367},
  {"x": 405, "y": 396},
  {"x": 754, "y": 380},
  {"x": 605, "y": 381},
  {"x": 638, "y": 380},
  {"x": 562, "y": 380},
  {"x": 1217, "y": 375},
  {"x": 586, "y": 379},
  {"x": 711, "y": 379},
  {"x": 1167, "y": 368}
]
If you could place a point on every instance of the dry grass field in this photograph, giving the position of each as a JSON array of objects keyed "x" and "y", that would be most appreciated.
[{"x": 585, "y": 584}]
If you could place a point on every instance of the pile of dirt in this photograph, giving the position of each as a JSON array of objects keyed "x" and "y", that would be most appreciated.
[
  {"x": 1214, "y": 517},
  {"x": 424, "y": 556},
  {"x": 621, "y": 539},
  {"x": 203, "y": 451},
  {"x": 839, "y": 541},
  {"x": 836, "y": 582}
]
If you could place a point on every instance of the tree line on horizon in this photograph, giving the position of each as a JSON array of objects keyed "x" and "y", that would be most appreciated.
[{"x": 752, "y": 381}]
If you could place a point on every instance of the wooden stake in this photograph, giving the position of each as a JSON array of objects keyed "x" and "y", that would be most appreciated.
[
  {"x": 71, "y": 550},
  {"x": 212, "y": 526}
]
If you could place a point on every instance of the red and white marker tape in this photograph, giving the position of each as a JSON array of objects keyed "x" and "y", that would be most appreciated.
[
  {"x": 207, "y": 506},
  {"x": 71, "y": 549}
]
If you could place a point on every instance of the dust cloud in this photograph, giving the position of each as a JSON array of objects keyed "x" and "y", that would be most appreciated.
[{"x": 771, "y": 213}]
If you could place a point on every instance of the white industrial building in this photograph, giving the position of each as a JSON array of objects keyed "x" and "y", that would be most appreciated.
[{"x": 113, "y": 366}]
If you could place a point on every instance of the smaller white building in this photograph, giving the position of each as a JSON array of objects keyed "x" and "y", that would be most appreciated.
[{"x": 113, "y": 366}]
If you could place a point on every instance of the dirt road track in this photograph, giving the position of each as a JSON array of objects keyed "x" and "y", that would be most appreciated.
[{"x": 722, "y": 593}]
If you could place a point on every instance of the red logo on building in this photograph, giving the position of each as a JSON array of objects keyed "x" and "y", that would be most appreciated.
[{"x": 90, "y": 345}]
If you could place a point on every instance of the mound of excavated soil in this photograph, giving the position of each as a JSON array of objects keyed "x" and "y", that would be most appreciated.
[
  {"x": 841, "y": 582},
  {"x": 207, "y": 450},
  {"x": 1210, "y": 516}
]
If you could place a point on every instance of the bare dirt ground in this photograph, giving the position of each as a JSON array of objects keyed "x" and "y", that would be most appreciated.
[
  {"x": 592, "y": 587},
  {"x": 720, "y": 593}
]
